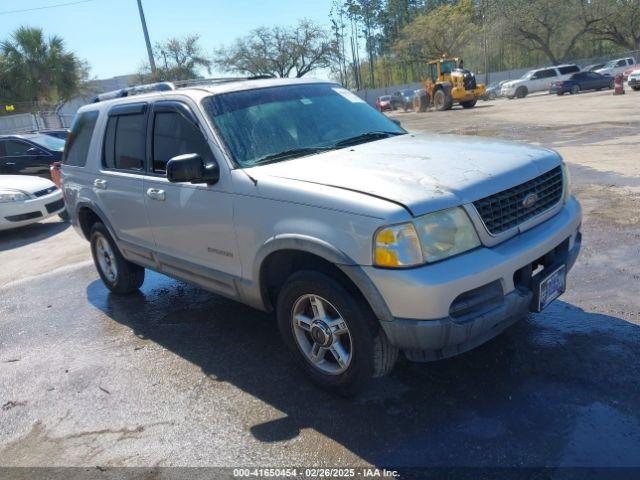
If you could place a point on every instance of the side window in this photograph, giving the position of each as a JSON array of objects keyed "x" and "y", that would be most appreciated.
[
  {"x": 551, "y": 72},
  {"x": 77, "y": 145},
  {"x": 621, "y": 63},
  {"x": 17, "y": 148},
  {"x": 175, "y": 135},
  {"x": 568, "y": 69},
  {"x": 124, "y": 142}
]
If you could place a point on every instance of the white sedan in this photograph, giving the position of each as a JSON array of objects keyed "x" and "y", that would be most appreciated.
[{"x": 26, "y": 199}]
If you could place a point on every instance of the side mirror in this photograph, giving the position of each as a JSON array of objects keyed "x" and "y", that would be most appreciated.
[
  {"x": 396, "y": 121},
  {"x": 190, "y": 167}
]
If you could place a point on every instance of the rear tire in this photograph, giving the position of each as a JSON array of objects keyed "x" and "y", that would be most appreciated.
[
  {"x": 469, "y": 104},
  {"x": 118, "y": 274},
  {"x": 344, "y": 323},
  {"x": 636, "y": 88},
  {"x": 442, "y": 100}
]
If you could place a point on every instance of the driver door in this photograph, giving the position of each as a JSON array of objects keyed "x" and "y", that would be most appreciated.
[{"x": 192, "y": 224}]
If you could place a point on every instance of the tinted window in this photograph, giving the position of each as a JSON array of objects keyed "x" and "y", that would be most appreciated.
[
  {"x": 77, "y": 146},
  {"x": 569, "y": 69},
  {"x": 109, "y": 143},
  {"x": 550, "y": 72},
  {"x": 16, "y": 148},
  {"x": 174, "y": 135},
  {"x": 124, "y": 146},
  {"x": 621, "y": 63}
]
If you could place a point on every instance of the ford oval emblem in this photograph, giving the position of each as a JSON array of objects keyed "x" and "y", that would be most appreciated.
[{"x": 530, "y": 200}]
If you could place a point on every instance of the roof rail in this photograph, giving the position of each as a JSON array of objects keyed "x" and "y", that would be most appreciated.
[
  {"x": 136, "y": 90},
  {"x": 167, "y": 86}
]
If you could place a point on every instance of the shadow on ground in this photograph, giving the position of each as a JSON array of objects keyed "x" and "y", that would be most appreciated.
[
  {"x": 561, "y": 388},
  {"x": 19, "y": 237}
]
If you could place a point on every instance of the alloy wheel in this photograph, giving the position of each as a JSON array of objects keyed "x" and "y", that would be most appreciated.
[
  {"x": 322, "y": 334},
  {"x": 106, "y": 258}
]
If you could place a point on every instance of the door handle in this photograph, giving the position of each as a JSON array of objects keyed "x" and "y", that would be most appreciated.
[
  {"x": 100, "y": 184},
  {"x": 156, "y": 194}
]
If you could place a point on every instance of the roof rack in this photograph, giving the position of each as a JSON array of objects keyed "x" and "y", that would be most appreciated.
[{"x": 168, "y": 86}]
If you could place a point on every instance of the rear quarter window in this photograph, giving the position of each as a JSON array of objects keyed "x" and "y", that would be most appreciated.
[
  {"x": 568, "y": 69},
  {"x": 77, "y": 146}
]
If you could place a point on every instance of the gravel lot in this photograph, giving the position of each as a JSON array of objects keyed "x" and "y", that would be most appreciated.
[{"x": 177, "y": 376}]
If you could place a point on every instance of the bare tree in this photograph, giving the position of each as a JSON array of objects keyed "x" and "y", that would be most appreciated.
[
  {"x": 177, "y": 59},
  {"x": 279, "y": 51},
  {"x": 548, "y": 26},
  {"x": 619, "y": 22}
]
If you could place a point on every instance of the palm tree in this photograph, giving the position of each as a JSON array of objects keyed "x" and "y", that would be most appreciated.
[{"x": 35, "y": 69}]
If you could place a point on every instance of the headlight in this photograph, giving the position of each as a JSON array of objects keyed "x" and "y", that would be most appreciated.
[
  {"x": 446, "y": 233},
  {"x": 7, "y": 196},
  {"x": 434, "y": 237},
  {"x": 397, "y": 246},
  {"x": 566, "y": 179}
]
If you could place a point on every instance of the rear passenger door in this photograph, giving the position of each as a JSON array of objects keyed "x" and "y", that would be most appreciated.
[
  {"x": 118, "y": 186},
  {"x": 192, "y": 224}
]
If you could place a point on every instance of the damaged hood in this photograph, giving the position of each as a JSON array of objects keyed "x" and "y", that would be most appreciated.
[{"x": 423, "y": 173}]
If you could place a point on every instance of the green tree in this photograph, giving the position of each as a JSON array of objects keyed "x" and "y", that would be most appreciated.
[
  {"x": 36, "y": 69},
  {"x": 445, "y": 30}
]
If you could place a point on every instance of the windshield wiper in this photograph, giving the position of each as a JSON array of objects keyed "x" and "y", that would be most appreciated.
[
  {"x": 365, "y": 137},
  {"x": 292, "y": 152}
]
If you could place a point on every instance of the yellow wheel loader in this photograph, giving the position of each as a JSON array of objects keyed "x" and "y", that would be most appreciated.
[{"x": 447, "y": 83}]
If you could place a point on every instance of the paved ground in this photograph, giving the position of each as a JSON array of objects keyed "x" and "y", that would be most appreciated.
[{"x": 177, "y": 376}]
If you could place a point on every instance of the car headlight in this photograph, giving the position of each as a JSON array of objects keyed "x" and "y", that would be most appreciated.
[
  {"x": 566, "y": 179},
  {"x": 430, "y": 238},
  {"x": 446, "y": 233},
  {"x": 397, "y": 246},
  {"x": 8, "y": 196}
]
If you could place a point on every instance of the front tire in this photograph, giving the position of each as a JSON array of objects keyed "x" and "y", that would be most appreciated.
[
  {"x": 118, "y": 274},
  {"x": 469, "y": 104},
  {"x": 575, "y": 89},
  {"x": 332, "y": 333}
]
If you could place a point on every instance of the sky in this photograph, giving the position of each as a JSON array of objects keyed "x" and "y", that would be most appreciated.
[{"x": 108, "y": 33}]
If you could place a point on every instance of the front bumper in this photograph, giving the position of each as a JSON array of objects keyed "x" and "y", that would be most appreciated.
[
  {"x": 633, "y": 82},
  {"x": 424, "y": 302},
  {"x": 20, "y": 214}
]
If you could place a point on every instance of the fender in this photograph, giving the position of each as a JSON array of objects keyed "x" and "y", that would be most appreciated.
[
  {"x": 254, "y": 291},
  {"x": 95, "y": 209}
]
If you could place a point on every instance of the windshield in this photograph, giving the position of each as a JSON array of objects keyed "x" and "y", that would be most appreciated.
[
  {"x": 610, "y": 64},
  {"x": 260, "y": 124},
  {"x": 447, "y": 66},
  {"x": 48, "y": 142},
  {"x": 529, "y": 74},
  {"x": 385, "y": 98}
]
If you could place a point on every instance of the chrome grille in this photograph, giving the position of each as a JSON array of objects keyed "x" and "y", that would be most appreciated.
[{"x": 506, "y": 209}]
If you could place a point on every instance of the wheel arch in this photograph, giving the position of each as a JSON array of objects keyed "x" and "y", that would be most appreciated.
[
  {"x": 293, "y": 253},
  {"x": 87, "y": 214}
]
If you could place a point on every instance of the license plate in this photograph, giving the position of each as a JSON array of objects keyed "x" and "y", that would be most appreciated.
[{"x": 552, "y": 287}]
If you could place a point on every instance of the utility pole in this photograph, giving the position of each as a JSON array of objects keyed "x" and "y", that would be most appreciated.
[{"x": 152, "y": 62}]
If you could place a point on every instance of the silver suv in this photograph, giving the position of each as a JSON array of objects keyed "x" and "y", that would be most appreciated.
[{"x": 295, "y": 196}]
